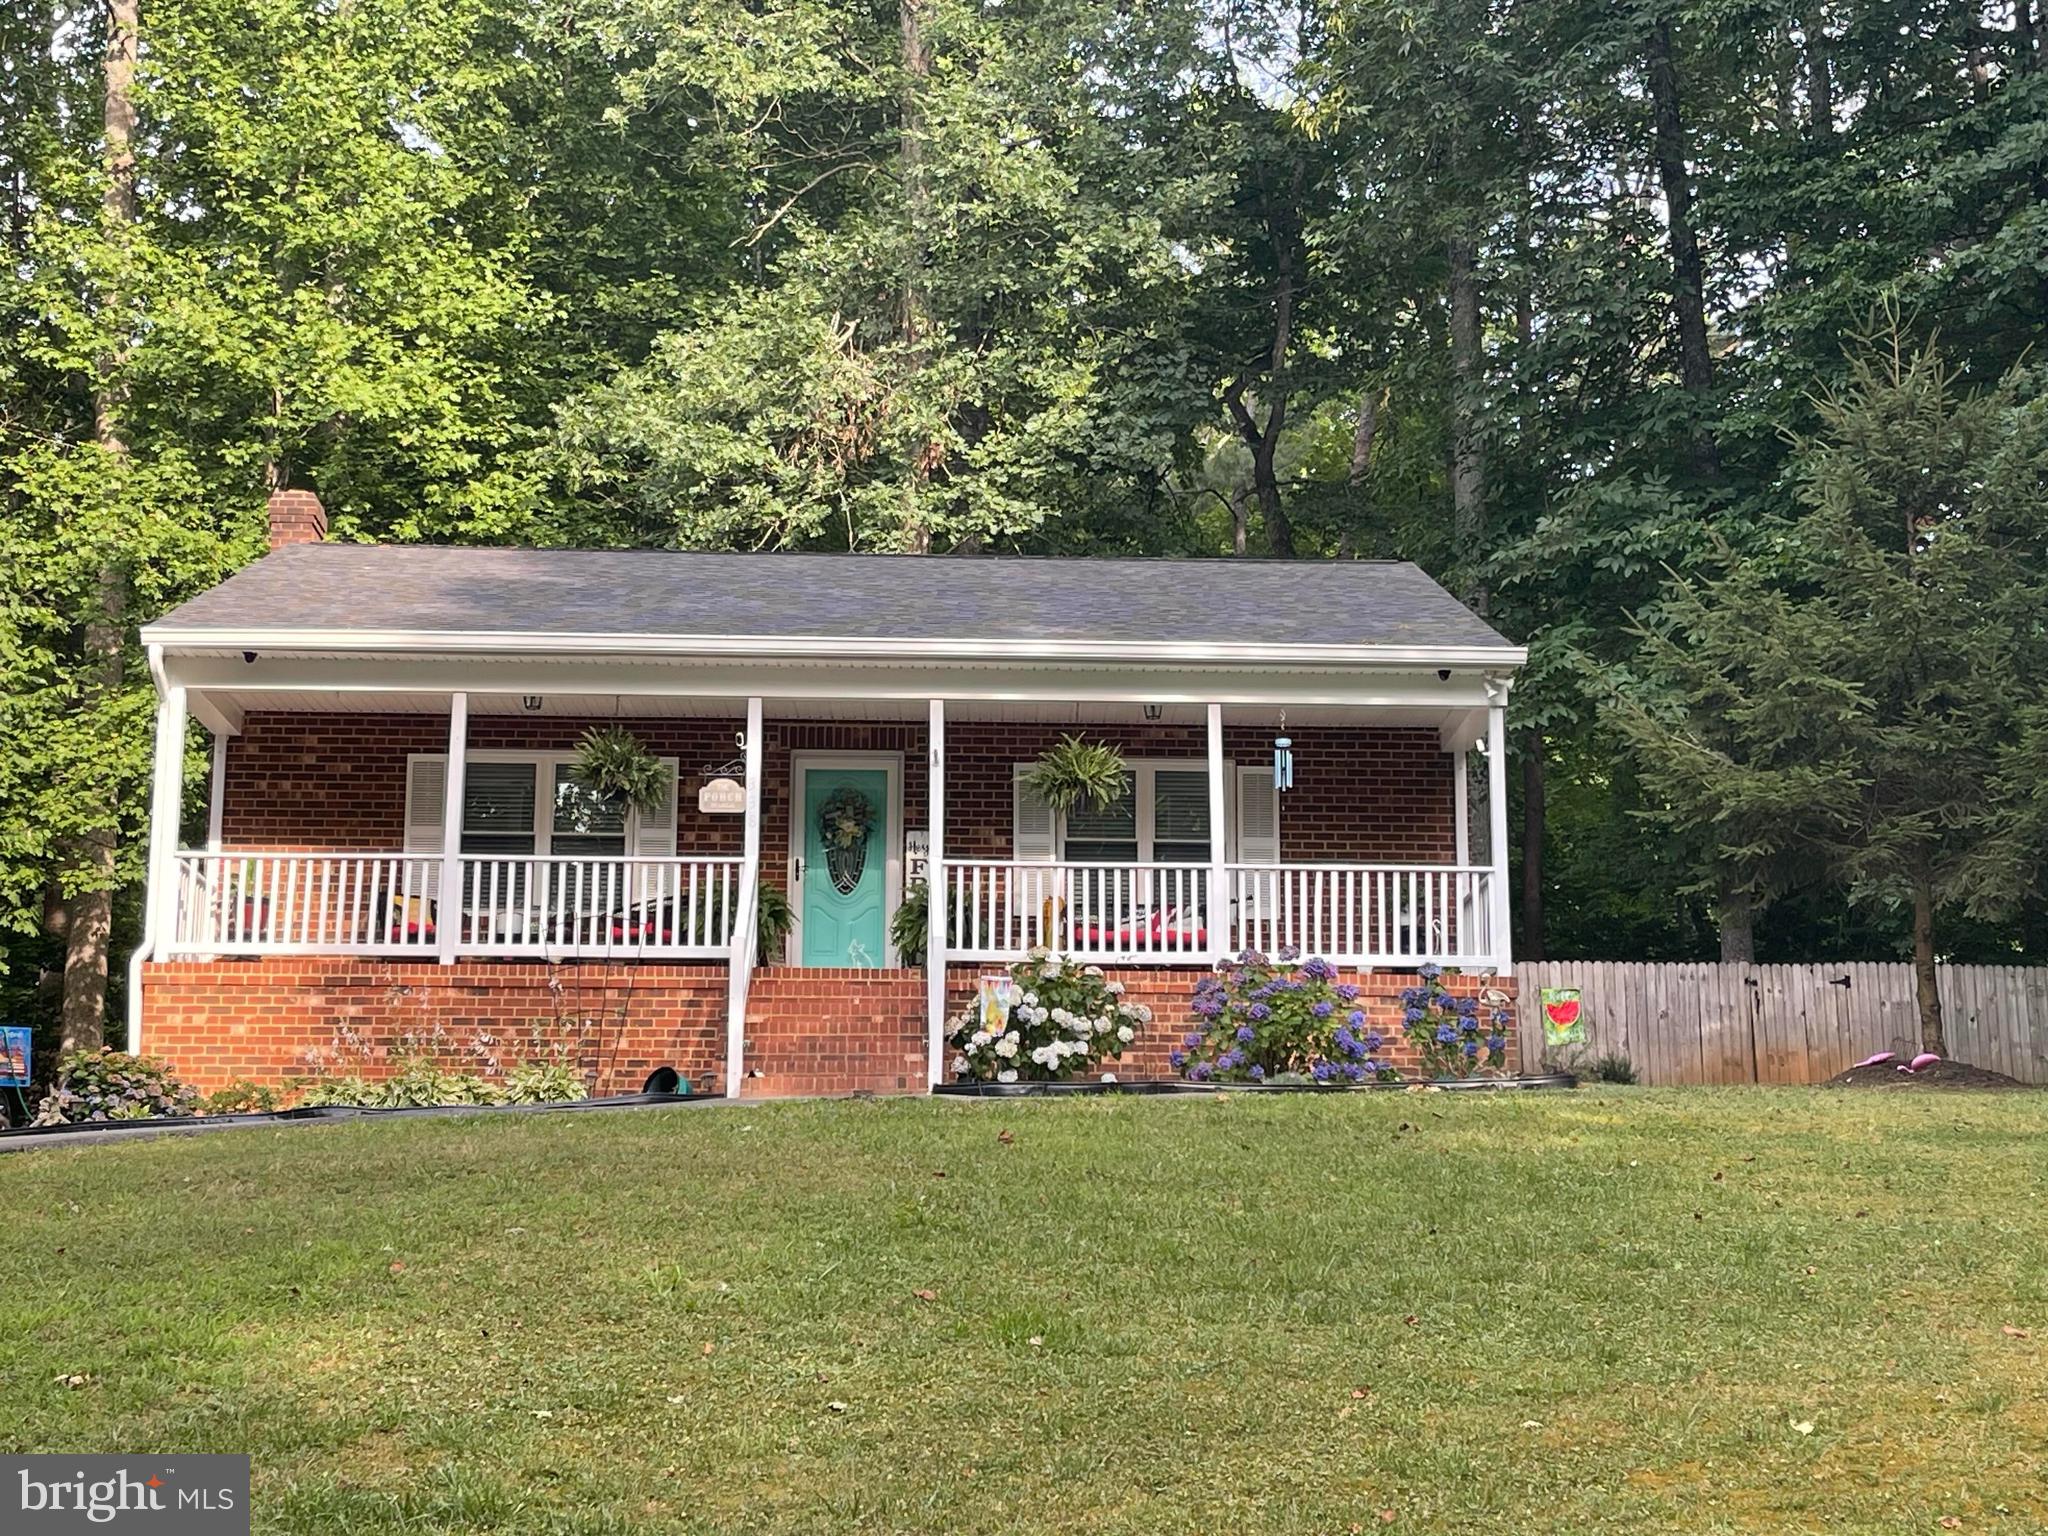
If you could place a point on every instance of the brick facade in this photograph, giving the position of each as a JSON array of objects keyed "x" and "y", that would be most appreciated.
[
  {"x": 809, "y": 1031},
  {"x": 309, "y": 782},
  {"x": 264, "y": 1020},
  {"x": 332, "y": 781}
]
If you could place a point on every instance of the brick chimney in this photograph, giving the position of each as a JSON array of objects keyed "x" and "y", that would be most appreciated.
[{"x": 296, "y": 517}]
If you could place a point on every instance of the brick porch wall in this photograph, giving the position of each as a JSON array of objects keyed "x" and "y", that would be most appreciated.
[
  {"x": 808, "y": 1032},
  {"x": 308, "y": 782},
  {"x": 218, "y": 1021}
]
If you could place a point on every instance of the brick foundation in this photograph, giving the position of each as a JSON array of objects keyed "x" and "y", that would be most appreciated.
[
  {"x": 218, "y": 1021},
  {"x": 809, "y": 1031}
]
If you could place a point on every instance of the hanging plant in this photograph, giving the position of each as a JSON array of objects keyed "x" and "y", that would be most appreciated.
[
  {"x": 1073, "y": 772},
  {"x": 611, "y": 761},
  {"x": 845, "y": 821}
]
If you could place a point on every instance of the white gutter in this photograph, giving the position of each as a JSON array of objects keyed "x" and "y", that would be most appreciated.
[{"x": 833, "y": 648}]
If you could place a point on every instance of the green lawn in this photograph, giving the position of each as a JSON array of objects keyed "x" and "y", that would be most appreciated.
[{"x": 1603, "y": 1311}]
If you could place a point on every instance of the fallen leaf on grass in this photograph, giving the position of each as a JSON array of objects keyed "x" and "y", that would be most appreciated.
[
  {"x": 709, "y": 1347},
  {"x": 2013, "y": 1333},
  {"x": 677, "y": 1400},
  {"x": 398, "y": 1266},
  {"x": 1532, "y": 1423},
  {"x": 1803, "y": 1427},
  {"x": 74, "y": 1380},
  {"x": 1950, "y": 1523},
  {"x": 1036, "y": 1340},
  {"x": 835, "y": 1406},
  {"x": 926, "y": 1295},
  {"x": 1005, "y": 1137},
  {"x": 1358, "y": 1392},
  {"x": 1386, "y": 1517}
]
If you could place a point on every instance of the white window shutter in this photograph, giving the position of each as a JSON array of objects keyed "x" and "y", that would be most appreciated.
[
  {"x": 1032, "y": 839},
  {"x": 426, "y": 805},
  {"x": 654, "y": 832},
  {"x": 1258, "y": 817}
]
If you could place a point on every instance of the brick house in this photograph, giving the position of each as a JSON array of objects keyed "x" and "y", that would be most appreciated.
[{"x": 395, "y": 842}]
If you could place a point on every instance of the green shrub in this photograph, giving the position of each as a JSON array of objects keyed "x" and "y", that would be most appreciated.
[
  {"x": 93, "y": 1086},
  {"x": 909, "y": 929},
  {"x": 1613, "y": 1068},
  {"x": 241, "y": 1097},
  {"x": 544, "y": 1082}
]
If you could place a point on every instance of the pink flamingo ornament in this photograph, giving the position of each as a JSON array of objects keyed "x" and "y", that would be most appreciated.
[{"x": 1878, "y": 1060}]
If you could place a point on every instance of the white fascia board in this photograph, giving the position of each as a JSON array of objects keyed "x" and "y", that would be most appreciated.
[
  {"x": 770, "y": 648},
  {"x": 1413, "y": 687}
]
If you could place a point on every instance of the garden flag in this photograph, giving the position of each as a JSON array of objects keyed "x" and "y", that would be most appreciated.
[
  {"x": 14, "y": 1040},
  {"x": 1562, "y": 1024}
]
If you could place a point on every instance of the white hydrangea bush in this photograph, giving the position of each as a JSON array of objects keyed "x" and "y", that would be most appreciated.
[{"x": 1057, "y": 1019}]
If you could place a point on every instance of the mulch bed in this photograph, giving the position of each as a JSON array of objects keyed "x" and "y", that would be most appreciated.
[{"x": 1943, "y": 1074}]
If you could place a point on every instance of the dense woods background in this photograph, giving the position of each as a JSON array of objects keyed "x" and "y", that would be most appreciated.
[{"x": 1614, "y": 316}]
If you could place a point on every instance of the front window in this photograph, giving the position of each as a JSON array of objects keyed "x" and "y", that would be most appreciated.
[
  {"x": 1161, "y": 818},
  {"x": 587, "y": 824},
  {"x": 498, "y": 808}
]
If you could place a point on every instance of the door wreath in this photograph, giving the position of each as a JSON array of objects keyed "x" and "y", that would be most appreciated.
[{"x": 845, "y": 822}]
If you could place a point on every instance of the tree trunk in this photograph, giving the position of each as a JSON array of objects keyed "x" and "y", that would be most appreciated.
[
  {"x": 1240, "y": 520},
  {"x": 1933, "y": 1034},
  {"x": 1738, "y": 922},
  {"x": 1468, "y": 452},
  {"x": 90, "y": 909},
  {"x": 1370, "y": 404},
  {"x": 1688, "y": 272},
  {"x": 1820, "y": 87},
  {"x": 1531, "y": 944},
  {"x": 917, "y": 68}
]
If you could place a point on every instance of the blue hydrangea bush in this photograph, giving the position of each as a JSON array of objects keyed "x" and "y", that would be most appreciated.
[
  {"x": 1063, "y": 1020},
  {"x": 1263, "y": 1020},
  {"x": 96, "y": 1086},
  {"x": 1455, "y": 1036}
]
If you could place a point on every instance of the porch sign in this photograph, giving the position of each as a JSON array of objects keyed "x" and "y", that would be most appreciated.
[
  {"x": 722, "y": 797},
  {"x": 1563, "y": 1022}
]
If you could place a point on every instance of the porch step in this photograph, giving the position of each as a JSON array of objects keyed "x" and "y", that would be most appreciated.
[{"x": 834, "y": 1031}]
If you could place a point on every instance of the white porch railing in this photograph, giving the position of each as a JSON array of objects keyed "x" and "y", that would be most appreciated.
[
  {"x": 671, "y": 908},
  {"x": 1354, "y": 914},
  {"x": 1365, "y": 914},
  {"x": 998, "y": 911},
  {"x": 304, "y": 904},
  {"x": 390, "y": 904}
]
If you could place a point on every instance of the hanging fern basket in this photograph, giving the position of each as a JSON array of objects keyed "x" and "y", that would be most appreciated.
[
  {"x": 612, "y": 761},
  {"x": 1075, "y": 772}
]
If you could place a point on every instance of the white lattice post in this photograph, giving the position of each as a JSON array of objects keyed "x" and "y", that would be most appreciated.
[
  {"x": 1497, "y": 833},
  {"x": 935, "y": 891},
  {"x": 1218, "y": 922},
  {"x": 448, "y": 910}
]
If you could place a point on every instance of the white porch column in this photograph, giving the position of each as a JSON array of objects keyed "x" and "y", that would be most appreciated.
[
  {"x": 1219, "y": 876},
  {"x": 1461, "y": 809},
  {"x": 743, "y": 955},
  {"x": 160, "y": 891},
  {"x": 936, "y": 890},
  {"x": 217, "y": 793},
  {"x": 1497, "y": 830},
  {"x": 448, "y": 911}
]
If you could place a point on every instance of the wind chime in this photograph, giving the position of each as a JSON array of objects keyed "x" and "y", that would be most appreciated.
[{"x": 1283, "y": 757}]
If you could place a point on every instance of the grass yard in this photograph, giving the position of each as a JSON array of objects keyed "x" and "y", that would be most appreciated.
[{"x": 1742, "y": 1310}]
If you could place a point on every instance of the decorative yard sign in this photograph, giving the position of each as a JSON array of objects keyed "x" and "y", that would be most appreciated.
[
  {"x": 722, "y": 797},
  {"x": 995, "y": 996},
  {"x": 14, "y": 1049},
  {"x": 917, "y": 853},
  {"x": 1563, "y": 1023}
]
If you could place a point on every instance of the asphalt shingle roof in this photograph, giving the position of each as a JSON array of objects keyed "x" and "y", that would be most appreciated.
[{"x": 338, "y": 588}]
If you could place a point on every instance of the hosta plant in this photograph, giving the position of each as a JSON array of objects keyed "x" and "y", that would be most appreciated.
[
  {"x": 1261, "y": 1021},
  {"x": 112, "y": 1085},
  {"x": 1455, "y": 1036},
  {"x": 1055, "y": 1018}
]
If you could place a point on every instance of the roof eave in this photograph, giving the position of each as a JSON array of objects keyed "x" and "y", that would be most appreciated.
[{"x": 772, "y": 647}]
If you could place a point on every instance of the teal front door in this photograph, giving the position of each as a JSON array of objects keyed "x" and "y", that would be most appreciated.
[{"x": 846, "y": 840}]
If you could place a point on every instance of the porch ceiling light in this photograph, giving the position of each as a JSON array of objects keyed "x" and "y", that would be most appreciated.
[
  {"x": 531, "y": 703},
  {"x": 1154, "y": 711}
]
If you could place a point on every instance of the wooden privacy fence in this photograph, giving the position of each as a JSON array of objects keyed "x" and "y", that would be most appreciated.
[{"x": 1734, "y": 1023}]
